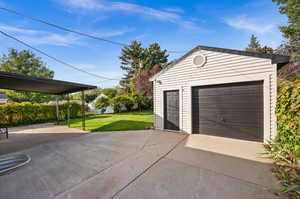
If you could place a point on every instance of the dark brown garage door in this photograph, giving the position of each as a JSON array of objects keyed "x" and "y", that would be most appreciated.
[
  {"x": 229, "y": 110},
  {"x": 171, "y": 110}
]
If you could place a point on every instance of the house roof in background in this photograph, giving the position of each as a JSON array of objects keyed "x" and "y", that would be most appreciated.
[
  {"x": 275, "y": 58},
  {"x": 20, "y": 82}
]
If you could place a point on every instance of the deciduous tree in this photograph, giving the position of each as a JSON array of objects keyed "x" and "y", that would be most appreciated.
[{"x": 27, "y": 63}]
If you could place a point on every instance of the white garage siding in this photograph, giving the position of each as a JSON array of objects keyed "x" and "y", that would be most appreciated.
[{"x": 220, "y": 68}]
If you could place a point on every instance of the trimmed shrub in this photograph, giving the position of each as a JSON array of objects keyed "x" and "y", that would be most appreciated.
[
  {"x": 122, "y": 101},
  {"x": 102, "y": 102},
  {"x": 13, "y": 114}
]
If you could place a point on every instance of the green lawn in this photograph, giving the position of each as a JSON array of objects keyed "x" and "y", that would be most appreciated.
[{"x": 116, "y": 121}]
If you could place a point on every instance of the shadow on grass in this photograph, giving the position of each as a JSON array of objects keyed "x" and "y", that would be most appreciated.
[
  {"x": 79, "y": 119},
  {"x": 124, "y": 125}
]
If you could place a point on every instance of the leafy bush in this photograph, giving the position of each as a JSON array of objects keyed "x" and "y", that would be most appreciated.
[
  {"x": 110, "y": 92},
  {"x": 287, "y": 143},
  {"x": 122, "y": 101},
  {"x": 285, "y": 148},
  {"x": 142, "y": 101},
  {"x": 13, "y": 114},
  {"x": 102, "y": 103}
]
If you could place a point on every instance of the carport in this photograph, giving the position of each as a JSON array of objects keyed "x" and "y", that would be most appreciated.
[{"x": 18, "y": 82}]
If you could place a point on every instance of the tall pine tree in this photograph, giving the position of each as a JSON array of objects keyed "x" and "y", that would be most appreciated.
[
  {"x": 254, "y": 44},
  {"x": 131, "y": 61},
  {"x": 135, "y": 58},
  {"x": 155, "y": 56},
  {"x": 290, "y": 8}
]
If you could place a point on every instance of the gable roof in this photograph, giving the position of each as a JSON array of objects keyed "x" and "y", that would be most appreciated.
[{"x": 275, "y": 58}]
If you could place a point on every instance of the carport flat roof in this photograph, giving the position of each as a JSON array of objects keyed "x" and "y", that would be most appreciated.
[{"x": 20, "y": 82}]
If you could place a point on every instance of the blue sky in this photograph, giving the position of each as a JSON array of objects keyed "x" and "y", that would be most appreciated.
[{"x": 176, "y": 25}]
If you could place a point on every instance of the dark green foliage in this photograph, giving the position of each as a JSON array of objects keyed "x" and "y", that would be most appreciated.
[
  {"x": 110, "y": 92},
  {"x": 253, "y": 45},
  {"x": 155, "y": 56},
  {"x": 13, "y": 114},
  {"x": 102, "y": 102},
  {"x": 138, "y": 63},
  {"x": 142, "y": 101},
  {"x": 25, "y": 62},
  {"x": 121, "y": 102},
  {"x": 291, "y": 8},
  {"x": 131, "y": 59},
  {"x": 135, "y": 58}
]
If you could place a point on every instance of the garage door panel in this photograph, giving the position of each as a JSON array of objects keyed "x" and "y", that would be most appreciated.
[
  {"x": 230, "y": 131},
  {"x": 234, "y": 123},
  {"x": 227, "y": 91},
  {"x": 229, "y": 110},
  {"x": 231, "y": 119}
]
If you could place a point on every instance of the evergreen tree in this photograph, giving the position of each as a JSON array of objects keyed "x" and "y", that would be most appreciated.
[
  {"x": 155, "y": 56},
  {"x": 254, "y": 44},
  {"x": 290, "y": 8},
  {"x": 131, "y": 61},
  {"x": 135, "y": 58}
]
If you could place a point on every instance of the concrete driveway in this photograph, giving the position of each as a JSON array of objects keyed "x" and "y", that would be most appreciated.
[
  {"x": 24, "y": 137},
  {"x": 142, "y": 164}
]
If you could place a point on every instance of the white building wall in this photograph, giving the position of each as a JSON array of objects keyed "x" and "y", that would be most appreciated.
[{"x": 219, "y": 68}]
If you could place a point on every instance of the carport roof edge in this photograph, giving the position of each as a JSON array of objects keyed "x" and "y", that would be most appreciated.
[
  {"x": 275, "y": 58},
  {"x": 19, "y": 82}
]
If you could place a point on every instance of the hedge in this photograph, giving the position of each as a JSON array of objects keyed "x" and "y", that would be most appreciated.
[
  {"x": 288, "y": 121},
  {"x": 285, "y": 148},
  {"x": 13, "y": 114}
]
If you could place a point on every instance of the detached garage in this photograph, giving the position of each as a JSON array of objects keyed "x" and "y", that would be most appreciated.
[{"x": 219, "y": 92}]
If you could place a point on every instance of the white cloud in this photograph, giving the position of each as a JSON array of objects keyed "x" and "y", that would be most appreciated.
[
  {"x": 169, "y": 14},
  {"x": 17, "y": 30},
  {"x": 52, "y": 39},
  {"x": 88, "y": 4},
  {"x": 244, "y": 22},
  {"x": 175, "y": 10},
  {"x": 111, "y": 33},
  {"x": 38, "y": 37}
]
